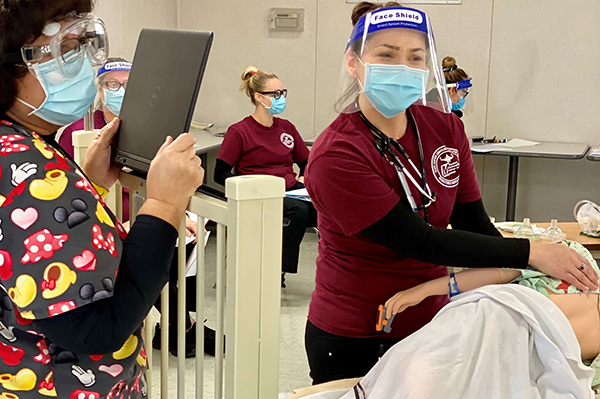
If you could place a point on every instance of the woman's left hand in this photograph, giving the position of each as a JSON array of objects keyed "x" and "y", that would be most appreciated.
[
  {"x": 98, "y": 165},
  {"x": 191, "y": 227}
]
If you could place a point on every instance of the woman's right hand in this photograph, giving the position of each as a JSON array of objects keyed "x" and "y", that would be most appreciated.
[
  {"x": 175, "y": 174},
  {"x": 559, "y": 261}
]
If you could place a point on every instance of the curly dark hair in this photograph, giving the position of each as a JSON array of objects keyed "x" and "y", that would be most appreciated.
[{"x": 22, "y": 22}]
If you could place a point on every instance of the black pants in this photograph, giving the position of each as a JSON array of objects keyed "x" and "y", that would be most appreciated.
[
  {"x": 297, "y": 216},
  {"x": 190, "y": 292},
  {"x": 332, "y": 357}
]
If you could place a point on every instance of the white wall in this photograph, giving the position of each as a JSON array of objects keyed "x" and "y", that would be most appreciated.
[
  {"x": 125, "y": 19},
  {"x": 543, "y": 86},
  {"x": 242, "y": 38}
]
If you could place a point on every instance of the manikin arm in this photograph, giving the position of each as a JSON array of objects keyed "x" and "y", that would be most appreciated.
[{"x": 466, "y": 280}]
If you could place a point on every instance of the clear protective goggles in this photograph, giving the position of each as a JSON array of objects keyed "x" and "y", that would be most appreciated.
[
  {"x": 71, "y": 42},
  {"x": 392, "y": 37}
]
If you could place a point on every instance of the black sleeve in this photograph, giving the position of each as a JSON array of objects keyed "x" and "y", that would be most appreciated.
[
  {"x": 104, "y": 326},
  {"x": 302, "y": 166},
  {"x": 222, "y": 172},
  {"x": 471, "y": 216},
  {"x": 407, "y": 233}
]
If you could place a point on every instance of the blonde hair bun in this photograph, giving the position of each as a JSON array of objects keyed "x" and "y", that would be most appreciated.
[{"x": 254, "y": 80}]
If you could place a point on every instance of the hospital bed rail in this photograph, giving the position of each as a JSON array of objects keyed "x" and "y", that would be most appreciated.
[{"x": 248, "y": 292}]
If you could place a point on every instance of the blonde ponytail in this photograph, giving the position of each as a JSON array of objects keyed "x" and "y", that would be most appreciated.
[{"x": 254, "y": 81}]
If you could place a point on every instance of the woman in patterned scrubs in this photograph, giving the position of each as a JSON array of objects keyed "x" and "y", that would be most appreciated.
[{"x": 74, "y": 287}]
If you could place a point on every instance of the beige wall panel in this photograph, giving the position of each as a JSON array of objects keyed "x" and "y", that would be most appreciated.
[{"x": 242, "y": 38}]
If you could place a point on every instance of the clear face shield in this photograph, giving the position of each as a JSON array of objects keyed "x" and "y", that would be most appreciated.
[
  {"x": 82, "y": 36},
  {"x": 462, "y": 89},
  {"x": 391, "y": 63}
]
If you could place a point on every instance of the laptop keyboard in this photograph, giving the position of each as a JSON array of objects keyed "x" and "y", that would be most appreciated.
[{"x": 212, "y": 192}]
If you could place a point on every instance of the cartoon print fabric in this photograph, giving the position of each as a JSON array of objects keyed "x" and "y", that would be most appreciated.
[{"x": 60, "y": 249}]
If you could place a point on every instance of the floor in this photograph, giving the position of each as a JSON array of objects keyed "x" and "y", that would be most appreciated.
[{"x": 295, "y": 298}]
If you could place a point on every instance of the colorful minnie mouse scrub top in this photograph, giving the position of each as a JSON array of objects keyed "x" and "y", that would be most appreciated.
[{"x": 60, "y": 250}]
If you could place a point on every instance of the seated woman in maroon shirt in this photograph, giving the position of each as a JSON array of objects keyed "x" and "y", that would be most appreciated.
[
  {"x": 264, "y": 144},
  {"x": 387, "y": 176}
]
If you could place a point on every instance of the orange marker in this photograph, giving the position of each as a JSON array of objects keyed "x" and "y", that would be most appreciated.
[{"x": 383, "y": 324}]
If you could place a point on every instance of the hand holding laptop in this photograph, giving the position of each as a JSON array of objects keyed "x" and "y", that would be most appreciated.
[
  {"x": 175, "y": 174},
  {"x": 98, "y": 166}
]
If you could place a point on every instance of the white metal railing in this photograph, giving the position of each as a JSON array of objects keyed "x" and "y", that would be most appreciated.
[{"x": 249, "y": 236}]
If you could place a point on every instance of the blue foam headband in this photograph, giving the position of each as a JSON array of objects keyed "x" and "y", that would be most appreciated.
[
  {"x": 388, "y": 18},
  {"x": 464, "y": 84},
  {"x": 114, "y": 66}
]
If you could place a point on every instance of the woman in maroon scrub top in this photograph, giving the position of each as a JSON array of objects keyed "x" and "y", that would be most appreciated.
[
  {"x": 387, "y": 177},
  {"x": 264, "y": 144}
]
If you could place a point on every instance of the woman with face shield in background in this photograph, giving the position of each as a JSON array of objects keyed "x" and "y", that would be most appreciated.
[
  {"x": 387, "y": 177},
  {"x": 458, "y": 84},
  {"x": 75, "y": 286}
]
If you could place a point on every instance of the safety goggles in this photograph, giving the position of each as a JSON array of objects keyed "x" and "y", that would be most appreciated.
[{"x": 83, "y": 36}]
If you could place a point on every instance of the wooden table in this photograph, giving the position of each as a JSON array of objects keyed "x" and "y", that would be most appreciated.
[{"x": 572, "y": 230}]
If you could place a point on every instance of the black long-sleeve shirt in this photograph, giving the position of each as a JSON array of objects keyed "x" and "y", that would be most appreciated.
[
  {"x": 472, "y": 242},
  {"x": 223, "y": 170}
]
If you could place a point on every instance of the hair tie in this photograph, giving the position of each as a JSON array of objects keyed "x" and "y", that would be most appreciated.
[
  {"x": 254, "y": 73},
  {"x": 450, "y": 69}
]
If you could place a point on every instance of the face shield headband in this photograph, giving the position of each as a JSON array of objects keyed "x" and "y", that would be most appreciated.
[
  {"x": 114, "y": 66},
  {"x": 388, "y": 18}
]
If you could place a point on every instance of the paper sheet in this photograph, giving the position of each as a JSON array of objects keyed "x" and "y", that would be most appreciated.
[
  {"x": 517, "y": 143},
  {"x": 191, "y": 267},
  {"x": 300, "y": 194},
  {"x": 191, "y": 264},
  {"x": 485, "y": 148}
]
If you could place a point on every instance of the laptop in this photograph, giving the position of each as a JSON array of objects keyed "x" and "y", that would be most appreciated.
[{"x": 161, "y": 94}]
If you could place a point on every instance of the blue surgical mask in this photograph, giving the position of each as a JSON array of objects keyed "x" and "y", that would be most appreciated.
[
  {"x": 114, "y": 99},
  {"x": 277, "y": 105},
  {"x": 393, "y": 88},
  {"x": 67, "y": 99},
  {"x": 459, "y": 104}
]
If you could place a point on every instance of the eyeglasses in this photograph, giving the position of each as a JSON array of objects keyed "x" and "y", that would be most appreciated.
[
  {"x": 114, "y": 86},
  {"x": 276, "y": 94},
  {"x": 461, "y": 92}
]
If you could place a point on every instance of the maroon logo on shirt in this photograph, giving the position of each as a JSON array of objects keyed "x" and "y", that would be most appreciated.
[
  {"x": 287, "y": 140},
  {"x": 445, "y": 164}
]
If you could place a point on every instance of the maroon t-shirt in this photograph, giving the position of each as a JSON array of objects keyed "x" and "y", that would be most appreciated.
[
  {"x": 259, "y": 150},
  {"x": 352, "y": 186}
]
